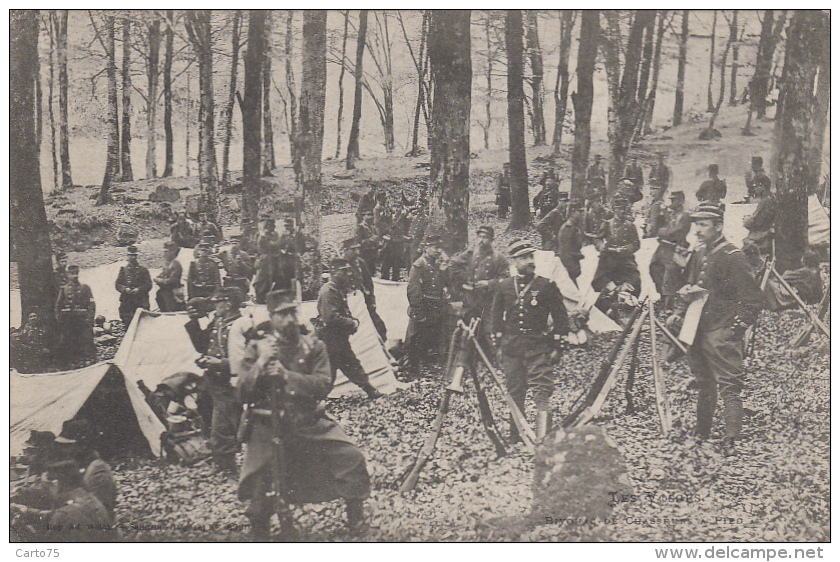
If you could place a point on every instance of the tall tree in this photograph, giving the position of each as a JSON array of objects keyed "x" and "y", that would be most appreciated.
[
  {"x": 251, "y": 117},
  {"x": 798, "y": 113},
  {"x": 30, "y": 231},
  {"x": 679, "y": 99},
  {"x": 63, "y": 127},
  {"x": 112, "y": 124},
  {"x": 711, "y": 103},
  {"x": 268, "y": 160},
  {"x": 341, "y": 85},
  {"x": 227, "y": 119},
  {"x": 491, "y": 58},
  {"x": 50, "y": 20},
  {"x": 710, "y": 132},
  {"x": 125, "y": 136},
  {"x": 152, "y": 73},
  {"x": 532, "y": 38},
  {"x": 168, "y": 150},
  {"x": 449, "y": 171},
  {"x": 198, "y": 29},
  {"x": 353, "y": 143},
  {"x": 421, "y": 64},
  {"x": 590, "y": 31},
  {"x": 733, "y": 80},
  {"x": 654, "y": 81},
  {"x": 771, "y": 30},
  {"x": 561, "y": 87},
  {"x": 291, "y": 88},
  {"x": 520, "y": 204}
]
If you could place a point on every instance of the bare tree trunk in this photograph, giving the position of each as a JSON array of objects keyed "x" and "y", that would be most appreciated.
[
  {"x": 763, "y": 62},
  {"x": 30, "y": 231},
  {"x": 125, "y": 137},
  {"x": 711, "y": 105},
  {"x": 449, "y": 171},
  {"x": 227, "y": 124},
  {"x": 51, "y": 27},
  {"x": 680, "y": 92},
  {"x": 251, "y": 117},
  {"x": 795, "y": 172},
  {"x": 561, "y": 88},
  {"x": 112, "y": 124},
  {"x": 733, "y": 80},
  {"x": 421, "y": 86},
  {"x": 151, "y": 111},
  {"x": 657, "y": 63},
  {"x": 520, "y": 203},
  {"x": 63, "y": 126},
  {"x": 198, "y": 28},
  {"x": 290, "y": 85},
  {"x": 268, "y": 160},
  {"x": 169, "y": 34},
  {"x": 722, "y": 94},
  {"x": 489, "y": 76},
  {"x": 341, "y": 85},
  {"x": 536, "y": 81},
  {"x": 188, "y": 128},
  {"x": 822, "y": 106},
  {"x": 590, "y": 31},
  {"x": 353, "y": 143},
  {"x": 647, "y": 61}
]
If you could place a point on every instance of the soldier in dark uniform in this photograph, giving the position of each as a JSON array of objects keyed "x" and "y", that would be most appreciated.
[
  {"x": 239, "y": 267},
  {"x": 269, "y": 272},
  {"x": 209, "y": 230},
  {"x": 617, "y": 262},
  {"x": 291, "y": 242},
  {"x": 479, "y": 272},
  {"x": 665, "y": 272},
  {"x": 627, "y": 189},
  {"x": 321, "y": 463},
  {"x": 170, "y": 293},
  {"x": 133, "y": 284},
  {"x": 416, "y": 232},
  {"x": 595, "y": 221},
  {"x": 363, "y": 281},
  {"x": 530, "y": 348},
  {"x": 367, "y": 202},
  {"x": 596, "y": 181},
  {"x": 733, "y": 304},
  {"x": 394, "y": 247},
  {"x": 60, "y": 273},
  {"x": 212, "y": 343},
  {"x": 758, "y": 182},
  {"x": 548, "y": 197},
  {"x": 634, "y": 173},
  {"x": 571, "y": 239},
  {"x": 366, "y": 235},
  {"x": 503, "y": 191},
  {"x": 657, "y": 213},
  {"x": 713, "y": 189},
  {"x": 761, "y": 223},
  {"x": 203, "y": 277},
  {"x": 549, "y": 226},
  {"x": 660, "y": 175},
  {"x": 75, "y": 311},
  {"x": 183, "y": 233},
  {"x": 429, "y": 310},
  {"x": 335, "y": 325}
]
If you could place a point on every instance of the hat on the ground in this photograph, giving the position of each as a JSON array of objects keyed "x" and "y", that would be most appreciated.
[
  {"x": 677, "y": 196},
  {"x": 132, "y": 250},
  {"x": 486, "y": 229},
  {"x": 278, "y": 301},
  {"x": 708, "y": 211},
  {"x": 339, "y": 263},
  {"x": 519, "y": 248}
]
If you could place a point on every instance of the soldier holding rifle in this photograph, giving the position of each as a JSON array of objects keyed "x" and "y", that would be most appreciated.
[{"x": 311, "y": 459}]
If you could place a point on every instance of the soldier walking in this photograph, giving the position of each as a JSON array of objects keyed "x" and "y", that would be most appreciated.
[
  {"x": 734, "y": 301},
  {"x": 170, "y": 293},
  {"x": 530, "y": 345},
  {"x": 269, "y": 270},
  {"x": 312, "y": 460},
  {"x": 75, "y": 311},
  {"x": 133, "y": 284},
  {"x": 363, "y": 281}
]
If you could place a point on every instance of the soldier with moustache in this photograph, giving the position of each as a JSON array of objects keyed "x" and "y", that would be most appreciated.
[
  {"x": 617, "y": 262},
  {"x": 203, "y": 277},
  {"x": 734, "y": 301},
  {"x": 321, "y": 462},
  {"x": 133, "y": 284},
  {"x": 530, "y": 346},
  {"x": 212, "y": 343}
]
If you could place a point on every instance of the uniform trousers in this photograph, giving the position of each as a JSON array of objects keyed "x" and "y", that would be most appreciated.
[
  {"x": 225, "y": 420},
  {"x": 527, "y": 364},
  {"x": 342, "y": 357}
]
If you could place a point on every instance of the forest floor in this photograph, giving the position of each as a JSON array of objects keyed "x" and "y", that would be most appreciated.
[{"x": 777, "y": 487}]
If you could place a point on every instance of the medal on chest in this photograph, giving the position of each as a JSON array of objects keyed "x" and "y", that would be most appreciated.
[{"x": 534, "y": 300}]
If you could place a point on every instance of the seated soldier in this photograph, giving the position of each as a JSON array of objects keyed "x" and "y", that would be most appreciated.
[
  {"x": 806, "y": 281},
  {"x": 617, "y": 269}
]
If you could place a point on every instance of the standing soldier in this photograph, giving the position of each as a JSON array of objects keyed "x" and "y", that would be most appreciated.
[
  {"x": 182, "y": 232},
  {"x": 133, "y": 284},
  {"x": 394, "y": 247},
  {"x": 363, "y": 281},
  {"x": 170, "y": 293},
  {"x": 312, "y": 459},
  {"x": 657, "y": 213},
  {"x": 713, "y": 189},
  {"x": 239, "y": 268},
  {"x": 335, "y": 324},
  {"x": 660, "y": 175},
  {"x": 291, "y": 242},
  {"x": 758, "y": 182},
  {"x": 366, "y": 235},
  {"x": 503, "y": 191},
  {"x": 416, "y": 232},
  {"x": 732, "y": 306},
  {"x": 428, "y": 315},
  {"x": 571, "y": 239},
  {"x": 268, "y": 250},
  {"x": 548, "y": 197},
  {"x": 549, "y": 226},
  {"x": 596, "y": 181},
  {"x": 366, "y": 203},
  {"x": 617, "y": 269},
  {"x": 634, "y": 173},
  {"x": 60, "y": 273},
  {"x": 760, "y": 223},
  {"x": 212, "y": 343},
  {"x": 203, "y": 276},
  {"x": 75, "y": 310},
  {"x": 664, "y": 270},
  {"x": 530, "y": 346}
]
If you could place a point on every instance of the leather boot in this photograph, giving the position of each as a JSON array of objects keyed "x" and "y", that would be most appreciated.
[
  {"x": 260, "y": 528},
  {"x": 356, "y": 520},
  {"x": 371, "y": 391},
  {"x": 514, "y": 433},
  {"x": 543, "y": 424}
]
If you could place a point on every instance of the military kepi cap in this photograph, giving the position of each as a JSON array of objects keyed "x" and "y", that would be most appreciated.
[
  {"x": 519, "y": 248},
  {"x": 132, "y": 250},
  {"x": 487, "y": 229},
  {"x": 677, "y": 195},
  {"x": 339, "y": 263},
  {"x": 433, "y": 240},
  {"x": 708, "y": 211},
  {"x": 278, "y": 301}
]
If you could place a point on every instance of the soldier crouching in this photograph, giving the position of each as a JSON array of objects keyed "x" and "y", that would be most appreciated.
[{"x": 312, "y": 460}]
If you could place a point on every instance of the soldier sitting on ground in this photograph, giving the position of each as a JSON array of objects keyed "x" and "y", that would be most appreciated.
[
  {"x": 617, "y": 271},
  {"x": 806, "y": 281}
]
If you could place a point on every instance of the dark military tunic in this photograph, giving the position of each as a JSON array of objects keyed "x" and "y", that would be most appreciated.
[
  {"x": 183, "y": 235},
  {"x": 521, "y": 309},
  {"x": 75, "y": 310},
  {"x": 336, "y": 325},
  {"x": 239, "y": 268},
  {"x": 270, "y": 271},
  {"x": 213, "y": 341},
  {"x": 170, "y": 293},
  {"x": 366, "y": 236},
  {"x": 363, "y": 281},
  {"x": 716, "y": 356},
  {"x": 634, "y": 173},
  {"x": 323, "y": 463},
  {"x": 488, "y": 266},
  {"x": 617, "y": 262},
  {"x": 761, "y": 222},
  {"x": 547, "y": 198},
  {"x": 758, "y": 184},
  {"x": 712, "y": 190},
  {"x": 656, "y": 218},
  {"x": 660, "y": 176},
  {"x": 416, "y": 231},
  {"x": 429, "y": 311},
  {"x": 81, "y": 517},
  {"x": 133, "y": 277},
  {"x": 550, "y": 225},
  {"x": 203, "y": 278},
  {"x": 570, "y": 242},
  {"x": 596, "y": 184},
  {"x": 394, "y": 248},
  {"x": 665, "y": 272},
  {"x": 503, "y": 194}
]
